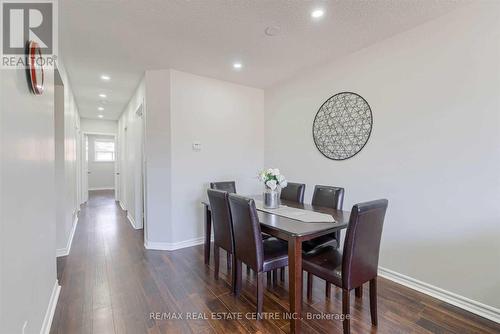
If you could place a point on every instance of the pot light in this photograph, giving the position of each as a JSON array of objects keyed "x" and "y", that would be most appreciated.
[
  {"x": 100, "y": 108},
  {"x": 103, "y": 96},
  {"x": 237, "y": 66},
  {"x": 100, "y": 116},
  {"x": 317, "y": 13},
  {"x": 105, "y": 77}
]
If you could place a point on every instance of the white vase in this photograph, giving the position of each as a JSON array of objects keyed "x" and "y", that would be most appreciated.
[{"x": 271, "y": 198}]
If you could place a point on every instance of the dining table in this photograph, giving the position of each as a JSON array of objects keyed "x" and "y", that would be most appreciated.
[{"x": 294, "y": 232}]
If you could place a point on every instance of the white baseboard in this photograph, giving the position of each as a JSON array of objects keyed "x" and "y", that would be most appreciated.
[
  {"x": 170, "y": 246},
  {"x": 65, "y": 251},
  {"x": 51, "y": 309},
  {"x": 462, "y": 302},
  {"x": 112, "y": 188},
  {"x": 132, "y": 222},
  {"x": 122, "y": 206}
]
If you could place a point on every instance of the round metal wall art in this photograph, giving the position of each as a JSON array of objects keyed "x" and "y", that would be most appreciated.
[{"x": 342, "y": 126}]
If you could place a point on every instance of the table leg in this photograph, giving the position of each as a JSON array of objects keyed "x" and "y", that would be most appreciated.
[
  {"x": 295, "y": 285},
  {"x": 208, "y": 233}
]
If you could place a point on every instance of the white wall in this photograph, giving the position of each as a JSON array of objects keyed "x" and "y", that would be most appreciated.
[
  {"x": 27, "y": 215},
  {"x": 158, "y": 158},
  {"x": 153, "y": 93},
  {"x": 181, "y": 108},
  {"x": 102, "y": 173},
  {"x": 68, "y": 168},
  {"x": 227, "y": 119},
  {"x": 59, "y": 162},
  {"x": 434, "y": 150},
  {"x": 99, "y": 126}
]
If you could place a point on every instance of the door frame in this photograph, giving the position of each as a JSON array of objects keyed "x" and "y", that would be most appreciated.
[
  {"x": 85, "y": 178},
  {"x": 140, "y": 112}
]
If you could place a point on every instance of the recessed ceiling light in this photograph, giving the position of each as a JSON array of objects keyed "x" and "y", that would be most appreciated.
[
  {"x": 237, "y": 65},
  {"x": 105, "y": 77},
  {"x": 100, "y": 116},
  {"x": 103, "y": 96},
  {"x": 317, "y": 13},
  {"x": 100, "y": 108}
]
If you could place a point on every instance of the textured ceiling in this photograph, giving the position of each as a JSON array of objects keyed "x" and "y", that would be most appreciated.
[{"x": 123, "y": 38}]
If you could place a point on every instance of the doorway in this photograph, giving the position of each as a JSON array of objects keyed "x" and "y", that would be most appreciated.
[
  {"x": 132, "y": 168},
  {"x": 99, "y": 162}
]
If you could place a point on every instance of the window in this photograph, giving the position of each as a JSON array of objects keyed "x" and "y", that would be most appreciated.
[{"x": 104, "y": 150}]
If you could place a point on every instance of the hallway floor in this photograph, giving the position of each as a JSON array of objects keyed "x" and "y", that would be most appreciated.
[{"x": 111, "y": 284}]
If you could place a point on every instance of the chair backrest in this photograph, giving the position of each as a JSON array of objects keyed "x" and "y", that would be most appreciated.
[
  {"x": 221, "y": 217},
  {"x": 247, "y": 234},
  {"x": 293, "y": 192},
  {"x": 362, "y": 243},
  {"x": 329, "y": 197},
  {"x": 229, "y": 186}
]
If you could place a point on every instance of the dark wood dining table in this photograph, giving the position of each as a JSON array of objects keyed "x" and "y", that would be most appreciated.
[{"x": 294, "y": 232}]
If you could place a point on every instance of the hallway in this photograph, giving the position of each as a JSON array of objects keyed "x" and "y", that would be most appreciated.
[{"x": 99, "y": 279}]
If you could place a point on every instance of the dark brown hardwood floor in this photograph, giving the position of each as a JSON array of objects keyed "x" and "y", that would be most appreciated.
[{"x": 111, "y": 284}]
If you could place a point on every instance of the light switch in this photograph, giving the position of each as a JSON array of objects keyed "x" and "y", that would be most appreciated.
[{"x": 196, "y": 146}]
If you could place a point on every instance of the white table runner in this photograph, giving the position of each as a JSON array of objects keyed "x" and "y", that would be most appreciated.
[{"x": 297, "y": 214}]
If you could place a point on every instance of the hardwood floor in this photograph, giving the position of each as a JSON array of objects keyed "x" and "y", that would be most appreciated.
[{"x": 111, "y": 284}]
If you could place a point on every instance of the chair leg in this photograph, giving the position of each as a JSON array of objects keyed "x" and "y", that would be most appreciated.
[
  {"x": 309, "y": 285},
  {"x": 269, "y": 278},
  {"x": 237, "y": 276},
  {"x": 373, "y": 301},
  {"x": 282, "y": 274},
  {"x": 337, "y": 236},
  {"x": 217, "y": 261},
  {"x": 275, "y": 277},
  {"x": 228, "y": 261},
  {"x": 260, "y": 293},
  {"x": 328, "y": 289},
  {"x": 248, "y": 271},
  {"x": 345, "y": 311},
  {"x": 359, "y": 292}
]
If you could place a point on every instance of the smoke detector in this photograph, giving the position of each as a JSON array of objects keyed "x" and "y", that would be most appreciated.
[{"x": 272, "y": 30}]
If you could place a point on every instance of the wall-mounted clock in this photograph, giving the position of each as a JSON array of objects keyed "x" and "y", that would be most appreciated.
[{"x": 35, "y": 68}]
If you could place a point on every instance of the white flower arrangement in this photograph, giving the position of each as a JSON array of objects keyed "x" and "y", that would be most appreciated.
[{"x": 273, "y": 179}]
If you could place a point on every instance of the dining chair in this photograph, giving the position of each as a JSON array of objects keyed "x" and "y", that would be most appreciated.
[
  {"x": 357, "y": 263},
  {"x": 229, "y": 186},
  {"x": 249, "y": 247},
  {"x": 223, "y": 228},
  {"x": 328, "y": 197},
  {"x": 293, "y": 192}
]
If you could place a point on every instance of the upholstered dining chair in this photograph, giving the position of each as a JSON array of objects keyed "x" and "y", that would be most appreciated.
[
  {"x": 223, "y": 228},
  {"x": 293, "y": 192},
  {"x": 328, "y": 197},
  {"x": 229, "y": 186},
  {"x": 358, "y": 262},
  {"x": 249, "y": 248}
]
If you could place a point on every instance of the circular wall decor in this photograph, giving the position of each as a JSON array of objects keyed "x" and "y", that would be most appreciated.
[
  {"x": 35, "y": 68},
  {"x": 342, "y": 126}
]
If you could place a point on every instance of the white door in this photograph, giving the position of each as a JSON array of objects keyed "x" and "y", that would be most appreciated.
[
  {"x": 85, "y": 161},
  {"x": 139, "y": 165},
  {"x": 117, "y": 170}
]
